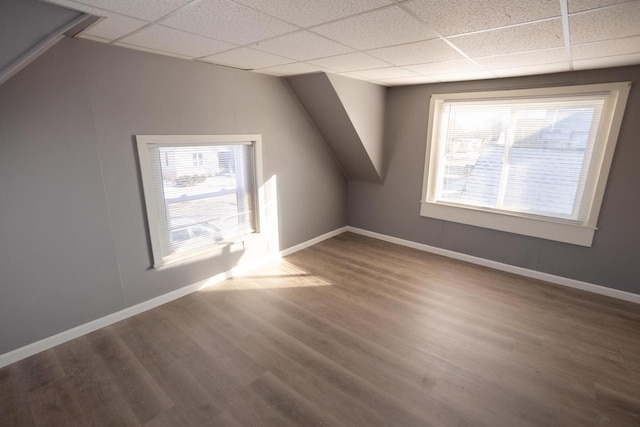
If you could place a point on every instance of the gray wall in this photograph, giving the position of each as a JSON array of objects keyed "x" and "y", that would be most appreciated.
[
  {"x": 393, "y": 208},
  {"x": 73, "y": 240}
]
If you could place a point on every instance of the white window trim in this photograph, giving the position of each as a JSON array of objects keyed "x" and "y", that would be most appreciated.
[
  {"x": 146, "y": 170},
  {"x": 546, "y": 228}
]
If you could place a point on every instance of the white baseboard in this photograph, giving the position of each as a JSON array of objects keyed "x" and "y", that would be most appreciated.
[
  {"x": 313, "y": 241},
  {"x": 94, "y": 325},
  {"x": 558, "y": 280}
]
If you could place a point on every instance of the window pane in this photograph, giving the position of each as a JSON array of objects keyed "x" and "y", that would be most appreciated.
[
  {"x": 529, "y": 157},
  {"x": 208, "y": 194}
]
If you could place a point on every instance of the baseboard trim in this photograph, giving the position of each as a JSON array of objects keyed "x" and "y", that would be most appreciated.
[
  {"x": 86, "y": 328},
  {"x": 313, "y": 241},
  {"x": 558, "y": 280}
]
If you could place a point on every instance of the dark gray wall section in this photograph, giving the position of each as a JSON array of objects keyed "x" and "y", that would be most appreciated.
[
  {"x": 364, "y": 103},
  {"x": 24, "y": 23},
  {"x": 393, "y": 208},
  {"x": 321, "y": 101},
  {"x": 74, "y": 244}
]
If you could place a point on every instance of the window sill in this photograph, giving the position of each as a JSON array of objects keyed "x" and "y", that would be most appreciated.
[
  {"x": 230, "y": 246},
  {"x": 576, "y": 234}
]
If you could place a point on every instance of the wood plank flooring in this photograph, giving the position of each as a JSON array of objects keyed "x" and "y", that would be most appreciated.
[{"x": 350, "y": 332}]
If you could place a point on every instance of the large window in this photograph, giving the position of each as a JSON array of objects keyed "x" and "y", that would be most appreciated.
[
  {"x": 200, "y": 191},
  {"x": 532, "y": 162}
]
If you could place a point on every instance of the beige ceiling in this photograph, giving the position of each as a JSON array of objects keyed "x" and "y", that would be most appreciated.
[{"x": 384, "y": 41}]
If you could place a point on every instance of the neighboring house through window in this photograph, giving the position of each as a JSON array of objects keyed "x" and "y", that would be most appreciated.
[
  {"x": 533, "y": 162},
  {"x": 200, "y": 191}
]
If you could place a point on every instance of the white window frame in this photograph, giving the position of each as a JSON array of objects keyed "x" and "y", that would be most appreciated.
[
  {"x": 146, "y": 170},
  {"x": 574, "y": 232}
]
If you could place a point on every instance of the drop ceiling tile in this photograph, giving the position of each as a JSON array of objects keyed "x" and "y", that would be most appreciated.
[
  {"x": 114, "y": 26},
  {"x": 92, "y": 38},
  {"x": 465, "y": 16},
  {"x": 607, "y": 62},
  {"x": 157, "y": 52},
  {"x": 622, "y": 46},
  {"x": 614, "y": 22},
  {"x": 533, "y": 70},
  {"x": 302, "y": 45},
  {"x": 379, "y": 28},
  {"x": 247, "y": 59},
  {"x": 457, "y": 77},
  {"x": 417, "y": 53},
  {"x": 291, "y": 69},
  {"x": 581, "y": 5},
  {"x": 227, "y": 21},
  {"x": 521, "y": 38},
  {"x": 149, "y": 10},
  {"x": 459, "y": 66},
  {"x": 382, "y": 73},
  {"x": 350, "y": 62},
  {"x": 312, "y": 12},
  {"x": 177, "y": 42},
  {"x": 524, "y": 59},
  {"x": 403, "y": 81}
]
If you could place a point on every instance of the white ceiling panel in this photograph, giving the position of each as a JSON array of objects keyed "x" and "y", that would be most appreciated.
[
  {"x": 312, "y": 12},
  {"x": 465, "y": 16},
  {"x": 417, "y": 53},
  {"x": 292, "y": 69},
  {"x": 382, "y": 73},
  {"x": 520, "y": 38},
  {"x": 112, "y": 27},
  {"x": 247, "y": 59},
  {"x": 524, "y": 59},
  {"x": 458, "y": 66},
  {"x": 581, "y": 5},
  {"x": 177, "y": 42},
  {"x": 613, "y": 22},
  {"x": 157, "y": 52},
  {"x": 149, "y": 10},
  {"x": 414, "y": 80},
  {"x": 227, "y": 21},
  {"x": 379, "y": 28},
  {"x": 350, "y": 62},
  {"x": 457, "y": 77},
  {"x": 409, "y": 41},
  {"x": 533, "y": 69},
  {"x": 302, "y": 45},
  {"x": 609, "y": 61},
  {"x": 623, "y": 46}
]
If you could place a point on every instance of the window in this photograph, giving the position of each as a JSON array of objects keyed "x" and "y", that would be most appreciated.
[
  {"x": 205, "y": 196},
  {"x": 533, "y": 162}
]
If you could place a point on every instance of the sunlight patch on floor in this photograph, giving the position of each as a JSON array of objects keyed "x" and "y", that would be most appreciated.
[{"x": 276, "y": 274}]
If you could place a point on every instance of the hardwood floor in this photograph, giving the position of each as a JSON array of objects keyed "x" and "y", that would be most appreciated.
[{"x": 350, "y": 332}]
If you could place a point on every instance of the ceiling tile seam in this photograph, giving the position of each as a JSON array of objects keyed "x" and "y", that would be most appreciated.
[
  {"x": 606, "y": 40},
  {"x": 156, "y": 51},
  {"x": 157, "y": 21},
  {"x": 314, "y": 25},
  {"x": 453, "y": 46},
  {"x": 564, "y": 9},
  {"x": 610, "y": 56},
  {"x": 504, "y": 27},
  {"x": 601, "y": 8},
  {"x": 251, "y": 45},
  {"x": 245, "y": 69},
  {"x": 350, "y": 53},
  {"x": 364, "y": 12}
]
